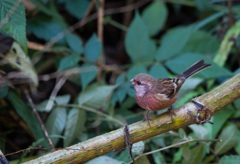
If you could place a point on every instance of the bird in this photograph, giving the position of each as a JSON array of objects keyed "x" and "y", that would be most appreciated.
[{"x": 155, "y": 94}]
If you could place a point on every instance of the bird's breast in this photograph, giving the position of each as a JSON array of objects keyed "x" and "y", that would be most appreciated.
[{"x": 149, "y": 102}]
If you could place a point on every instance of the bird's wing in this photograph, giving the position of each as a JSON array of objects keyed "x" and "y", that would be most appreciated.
[{"x": 164, "y": 89}]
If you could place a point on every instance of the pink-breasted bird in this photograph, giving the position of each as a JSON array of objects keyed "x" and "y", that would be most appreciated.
[{"x": 155, "y": 94}]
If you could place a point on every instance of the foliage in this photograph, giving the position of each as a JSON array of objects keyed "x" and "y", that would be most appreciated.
[{"x": 162, "y": 39}]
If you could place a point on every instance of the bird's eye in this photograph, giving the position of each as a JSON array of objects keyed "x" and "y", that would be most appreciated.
[{"x": 139, "y": 83}]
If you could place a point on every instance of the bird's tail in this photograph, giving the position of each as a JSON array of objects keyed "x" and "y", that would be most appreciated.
[{"x": 195, "y": 68}]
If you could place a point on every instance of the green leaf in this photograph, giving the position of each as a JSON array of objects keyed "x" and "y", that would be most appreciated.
[
  {"x": 17, "y": 58},
  {"x": 139, "y": 46},
  {"x": 173, "y": 42},
  {"x": 95, "y": 96},
  {"x": 75, "y": 43},
  {"x": 93, "y": 49},
  {"x": 229, "y": 139},
  {"x": 45, "y": 27},
  {"x": 177, "y": 66},
  {"x": 42, "y": 7},
  {"x": 197, "y": 154},
  {"x": 3, "y": 91},
  {"x": 13, "y": 12},
  {"x": 220, "y": 118},
  {"x": 56, "y": 122},
  {"x": 143, "y": 160},
  {"x": 134, "y": 70},
  {"x": 104, "y": 159},
  {"x": 158, "y": 71},
  {"x": 178, "y": 155},
  {"x": 69, "y": 61},
  {"x": 158, "y": 157},
  {"x": 59, "y": 100},
  {"x": 87, "y": 77},
  {"x": 203, "y": 4},
  {"x": 197, "y": 43},
  {"x": 77, "y": 8},
  {"x": 26, "y": 114},
  {"x": 200, "y": 131},
  {"x": 154, "y": 17},
  {"x": 75, "y": 125},
  {"x": 227, "y": 159},
  {"x": 138, "y": 148}
]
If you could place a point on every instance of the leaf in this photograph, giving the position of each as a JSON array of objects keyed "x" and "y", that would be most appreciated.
[
  {"x": 93, "y": 49},
  {"x": 75, "y": 43},
  {"x": 154, "y": 17},
  {"x": 138, "y": 148},
  {"x": 158, "y": 71},
  {"x": 134, "y": 70},
  {"x": 226, "y": 159},
  {"x": 157, "y": 156},
  {"x": 104, "y": 159},
  {"x": 17, "y": 58},
  {"x": 173, "y": 42},
  {"x": 229, "y": 139},
  {"x": 138, "y": 45},
  {"x": 237, "y": 146},
  {"x": 42, "y": 7},
  {"x": 87, "y": 77},
  {"x": 77, "y": 8},
  {"x": 95, "y": 96},
  {"x": 178, "y": 155},
  {"x": 75, "y": 125},
  {"x": 203, "y": 5},
  {"x": 56, "y": 122},
  {"x": 197, "y": 43},
  {"x": 26, "y": 114},
  {"x": 59, "y": 100},
  {"x": 177, "y": 66},
  {"x": 45, "y": 27},
  {"x": 200, "y": 131},
  {"x": 197, "y": 154},
  {"x": 3, "y": 91},
  {"x": 220, "y": 118},
  {"x": 69, "y": 61},
  {"x": 143, "y": 160},
  {"x": 13, "y": 13},
  {"x": 226, "y": 44}
]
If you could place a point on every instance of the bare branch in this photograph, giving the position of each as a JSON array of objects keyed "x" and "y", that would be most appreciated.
[{"x": 214, "y": 101}]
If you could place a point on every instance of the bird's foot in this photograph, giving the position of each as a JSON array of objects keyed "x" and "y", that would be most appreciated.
[
  {"x": 171, "y": 112},
  {"x": 203, "y": 113},
  {"x": 146, "y": 118}
]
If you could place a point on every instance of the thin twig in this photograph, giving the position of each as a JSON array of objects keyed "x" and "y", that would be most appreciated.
[
  {"x": 178, "y": 144},
  {"x": 39, "y": 120},
  {"x": 110, "y": 118},
  {"x": 93, "y": 17},
  {"x": 53, "y": 95},
  {"x": 100, "y": 20}
]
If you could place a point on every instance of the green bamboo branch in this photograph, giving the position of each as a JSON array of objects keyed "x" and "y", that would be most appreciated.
[{"x": 215, "y": 100}]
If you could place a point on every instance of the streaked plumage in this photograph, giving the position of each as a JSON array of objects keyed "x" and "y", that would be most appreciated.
[{"x": 156, "y": 94}]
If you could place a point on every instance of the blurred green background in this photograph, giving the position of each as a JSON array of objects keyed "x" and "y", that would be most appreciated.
[{"x": 78, "y": 74}]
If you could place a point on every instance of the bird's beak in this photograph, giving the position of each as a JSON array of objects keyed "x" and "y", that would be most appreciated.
[{"x": 132, "y": 81}]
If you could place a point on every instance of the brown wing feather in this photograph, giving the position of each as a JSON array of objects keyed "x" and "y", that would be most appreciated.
[{"x": 164, "y": 87}]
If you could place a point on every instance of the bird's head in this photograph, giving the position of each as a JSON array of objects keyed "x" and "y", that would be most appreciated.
[{"x": 142, "y": 83}]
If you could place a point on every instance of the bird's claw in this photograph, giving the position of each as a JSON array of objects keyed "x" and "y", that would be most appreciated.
[
  {"x": 171, "y": 112},
  {"x": 203, "y": 113}
]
